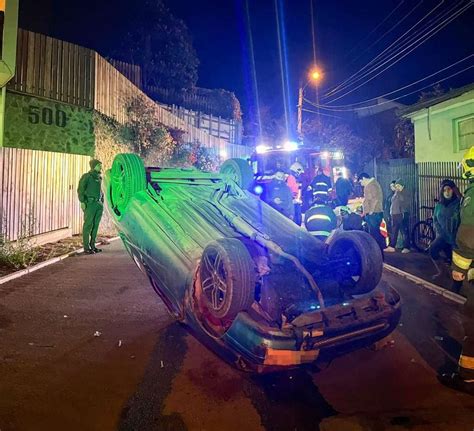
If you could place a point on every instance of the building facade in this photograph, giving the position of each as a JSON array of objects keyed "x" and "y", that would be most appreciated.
[{"x": 444, "y": 126}]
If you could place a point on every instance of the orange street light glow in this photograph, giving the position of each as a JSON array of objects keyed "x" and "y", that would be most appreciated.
[{"x": 315, "y": 75}]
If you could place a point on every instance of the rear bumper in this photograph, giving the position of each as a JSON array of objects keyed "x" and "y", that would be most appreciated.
[{"x": 324, "y": 333}]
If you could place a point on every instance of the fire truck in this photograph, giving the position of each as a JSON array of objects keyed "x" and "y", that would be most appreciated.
[{"x": 253, "y": 173}]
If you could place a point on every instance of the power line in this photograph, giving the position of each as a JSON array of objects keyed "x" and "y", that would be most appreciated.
[
  {"x": 350, "y": 78},
  {"x": 330, "y": 92},
  {"x": 417, "y": 43},
  {"x": 389, "y": 55},
  {"x": 401, "y": 88},
  {"x": 388, "y": 31},
  {"x": 391, "y": 100},
  {"x": 321, "y": 113},
  {"x": 376, "y": 28}
]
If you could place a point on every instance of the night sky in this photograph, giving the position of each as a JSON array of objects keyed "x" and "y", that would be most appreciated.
[{"x": 218, "y": 30}]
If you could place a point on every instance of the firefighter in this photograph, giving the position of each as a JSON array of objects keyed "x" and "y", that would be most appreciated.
[
  {"x": 463, "y": 256},
  {"x": 320, "y": 219},
  {"x": 90, "y": 195},
  {"x": 295, "y": 184},
  {"x": 321, "y": 185}
]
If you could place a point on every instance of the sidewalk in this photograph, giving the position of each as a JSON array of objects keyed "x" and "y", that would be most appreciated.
[{"x": 420, "y": 265}]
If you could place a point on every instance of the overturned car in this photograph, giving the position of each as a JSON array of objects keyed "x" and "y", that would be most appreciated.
[{"x": 249, "y": 283}]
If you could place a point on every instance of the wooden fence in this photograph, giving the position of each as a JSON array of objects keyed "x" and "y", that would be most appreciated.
[
  {"x": 222, "y": 128},
  {"x": 54, "y": 69},
  {"x": 114, "y": 92},
  {"x": 62, "y": 71},
  {"x": 38, "y": 190}
]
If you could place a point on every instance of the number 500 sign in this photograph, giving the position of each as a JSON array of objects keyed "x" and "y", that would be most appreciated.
[{"x": 47, "y": 116}]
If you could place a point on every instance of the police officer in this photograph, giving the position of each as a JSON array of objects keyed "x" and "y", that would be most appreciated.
[
  {"x": 463, "y": 256},
  {"x": 90, "y": 196}
]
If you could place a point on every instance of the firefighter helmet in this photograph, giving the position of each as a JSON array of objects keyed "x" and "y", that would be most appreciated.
[
  {"x": 297, "y": 167},
  {"x": 467, "y": 164}
]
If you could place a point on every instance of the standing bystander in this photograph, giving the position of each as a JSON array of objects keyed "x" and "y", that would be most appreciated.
[
  {"x": 446, "y": 220},
  {"x": 373, "y": 206},
  {"x": 399, "y": 212}
]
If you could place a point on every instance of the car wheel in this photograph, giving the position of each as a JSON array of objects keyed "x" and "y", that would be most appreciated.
[
  {"x": 227, "y": 275},
  {"x": 239, "y": 171},
  {"x": 127, "y": 178},
  {"x": 360, "y": 260}
]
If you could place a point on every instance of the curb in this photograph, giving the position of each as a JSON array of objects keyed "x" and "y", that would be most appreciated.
[
  {"x": 26, "y": 271},
  {"x": 427, "y": 285}
]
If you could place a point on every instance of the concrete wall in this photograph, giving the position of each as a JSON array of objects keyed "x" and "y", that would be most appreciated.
[{"x": 435, "y": 129}]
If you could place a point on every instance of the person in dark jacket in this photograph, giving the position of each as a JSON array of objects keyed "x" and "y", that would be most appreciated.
[
  {"x": 278, "y": 195},
  {"x": 90, "y": 195},
  {"x": 446, "y": 220},
  {"x": 343, "y": 190}
]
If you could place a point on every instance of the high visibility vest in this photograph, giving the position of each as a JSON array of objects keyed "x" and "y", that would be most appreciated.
[{"x": 384, "y": 231}]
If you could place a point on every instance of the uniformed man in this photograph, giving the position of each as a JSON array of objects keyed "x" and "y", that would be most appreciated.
[
  {"x": 463, "y": 256},
  {"x": 320, "y": 219},
  {"x": 90, "y": 196},
  {"x": 321, "y": 185}
]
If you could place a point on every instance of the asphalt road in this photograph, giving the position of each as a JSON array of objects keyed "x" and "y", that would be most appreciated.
[{"x": 145, "y": 372}]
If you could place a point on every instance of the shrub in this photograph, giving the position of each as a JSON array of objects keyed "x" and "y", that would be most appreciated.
[{"x": 22, "y": 252}]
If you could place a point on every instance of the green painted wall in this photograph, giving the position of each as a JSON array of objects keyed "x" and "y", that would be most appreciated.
[
  {"x": 40, "y": 124},
  {"x": 442, "y": 146}
]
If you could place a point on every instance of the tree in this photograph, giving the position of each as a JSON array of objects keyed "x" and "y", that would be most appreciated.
[
  {"x": 161, "y": 44},
  {"x": 404, "y": 142},
  {"x": 359, "y": 146}
]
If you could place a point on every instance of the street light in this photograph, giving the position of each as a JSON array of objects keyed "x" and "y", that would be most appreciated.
[{"x": 314, "y": 76}]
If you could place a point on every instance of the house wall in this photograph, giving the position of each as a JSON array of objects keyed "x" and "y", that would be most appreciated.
[{"x": 435, "y": 133}]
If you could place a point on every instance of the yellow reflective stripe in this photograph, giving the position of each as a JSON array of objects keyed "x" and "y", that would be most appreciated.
[
  {"x": 466, "y": 362},
  {"x": 461, "y": 262},
  {"x": 320, "y": 233},
  {"x": 318, "y": 217}
]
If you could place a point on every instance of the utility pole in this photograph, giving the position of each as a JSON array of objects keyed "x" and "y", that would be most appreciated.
[
  {"x": 314, "y": 77},
  {"x": 300, "y": 111}
]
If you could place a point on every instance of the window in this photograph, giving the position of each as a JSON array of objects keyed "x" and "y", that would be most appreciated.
[{"x": 464, "y": 133}]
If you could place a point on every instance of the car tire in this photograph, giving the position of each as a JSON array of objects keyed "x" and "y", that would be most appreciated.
[
  {"x": 227, "y": 275},
  {"x": 127, "y": 178},
  {"x": 239, "y": 171},
  {"x": 364, "y": 253}
]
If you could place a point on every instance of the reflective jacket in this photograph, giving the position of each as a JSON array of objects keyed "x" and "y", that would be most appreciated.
[
  {"x": 320, "y": 221},
  {"x": 463, "y": 254}
]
